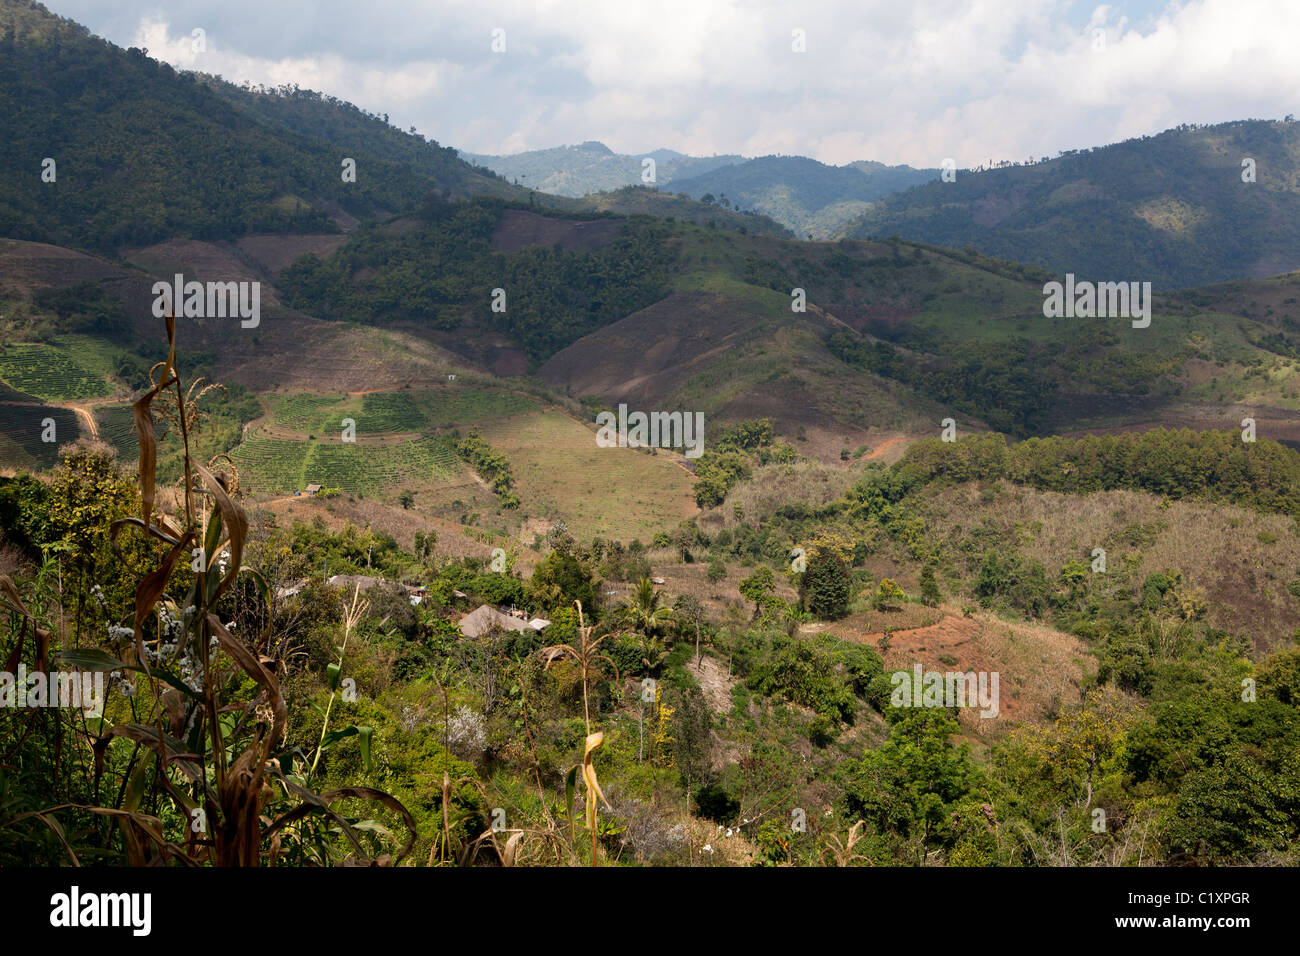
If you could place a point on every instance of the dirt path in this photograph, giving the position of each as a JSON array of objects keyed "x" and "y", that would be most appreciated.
[
  {"x": 887, "y": 444},
  {"x": 86, "y": 418},
  {"x": 81, "y": 409}
]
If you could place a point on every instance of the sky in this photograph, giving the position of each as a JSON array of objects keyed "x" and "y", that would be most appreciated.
[{"x": 897, "y": 81}]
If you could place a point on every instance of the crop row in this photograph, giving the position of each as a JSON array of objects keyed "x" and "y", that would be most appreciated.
[
  {"x": 272, "y": 466},
  {"x": 24, "y": 426},
  {"x": 48, "y": 373}
]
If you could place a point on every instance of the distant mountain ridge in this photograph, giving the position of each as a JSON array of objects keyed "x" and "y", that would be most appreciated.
[
  {"x": 592, "y": 167},
  {"x": 804, "y": 195},
  {"x": 808, "y": 196}
]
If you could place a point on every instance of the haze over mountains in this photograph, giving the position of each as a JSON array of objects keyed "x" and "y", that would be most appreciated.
[
  {"x": 1172, "y": 209},
  {"x": 808, "y": 197}
]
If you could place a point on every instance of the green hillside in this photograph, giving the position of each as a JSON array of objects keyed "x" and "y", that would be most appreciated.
[
  {"x": 592, "y": 167},
  {"x": 809, "y": 197},
  {"x": 1171, "y": 209}
]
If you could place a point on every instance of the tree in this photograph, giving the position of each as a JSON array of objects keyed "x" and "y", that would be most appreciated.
[
  {"x": 717, "y": 571},
  {"x": 759, "y": 587},
  {"x": 691, "y": 743},
  {"x": 1084, "y": 740},
  {"x": 930, "y": 595},
  {"x": 888, "y": 595},
  {"x": 824, "y": 590},
  {"x": 688, "y": 616},
  {"x": 560, "y": 579},
  {"x": 644, "y": 612}
]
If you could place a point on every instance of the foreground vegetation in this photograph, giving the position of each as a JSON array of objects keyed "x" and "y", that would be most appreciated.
[{"x": 258, "y": 716}]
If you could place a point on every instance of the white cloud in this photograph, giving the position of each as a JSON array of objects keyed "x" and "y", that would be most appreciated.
[{"x": 915, "y": 82}]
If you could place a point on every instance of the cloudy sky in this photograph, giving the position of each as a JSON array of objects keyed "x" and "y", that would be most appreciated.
[{"x": 900, "y": 81}]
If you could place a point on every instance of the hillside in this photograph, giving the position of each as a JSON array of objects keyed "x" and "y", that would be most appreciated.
[
  {"x": 914, "y": 575},
  {"x": 811, "y": 198},
  {"x": 592, "y": 167},
  {"x": 803, "y": 195},
  {"x": 1171, "y": 209},
  {"x": 252, "y": 161},
  {"x": 123, "y": 176}
]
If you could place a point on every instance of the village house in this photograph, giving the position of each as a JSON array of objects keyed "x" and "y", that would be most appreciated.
[{"x": 485, "y": 617}]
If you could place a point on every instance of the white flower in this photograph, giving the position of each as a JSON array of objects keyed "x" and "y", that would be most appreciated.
[{"x": 707, "y": 848}]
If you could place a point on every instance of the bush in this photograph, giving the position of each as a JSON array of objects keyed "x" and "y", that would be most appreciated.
[
  {"x": 888, "y": 595},
  {"x": 714, "y": 803}
]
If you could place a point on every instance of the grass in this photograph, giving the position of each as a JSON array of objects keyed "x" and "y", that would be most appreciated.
[
  {"x": 612, "y": 492},
  {"x": 270, "y": 466}
]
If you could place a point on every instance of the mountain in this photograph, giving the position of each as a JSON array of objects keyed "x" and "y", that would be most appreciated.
[
  {"x": 408, "y": 433},
  {"x": 592, "y": 167},
  {"x": 809, "y": 197},
  {"x": 1171, "y": 209},
  {"x": 801, "y": 194},
  {"x": 141, "y": 154}
]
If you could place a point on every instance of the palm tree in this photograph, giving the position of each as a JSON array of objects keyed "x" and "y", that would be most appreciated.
[{"x": 643, "y": 612}]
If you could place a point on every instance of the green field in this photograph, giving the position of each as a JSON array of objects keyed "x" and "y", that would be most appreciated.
[
  {"x": 48, "y": 373},
  {"x": 560, "y": 472},
  {"x": 379, "y": 413},
  {"x": 390, "y": 412},
  {"x": 273, "y": 466},
  {"x": 450, "y": 406}
]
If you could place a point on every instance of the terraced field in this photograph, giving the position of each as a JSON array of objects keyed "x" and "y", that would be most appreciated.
[
  {"x": 453, "y": 406},
  {"x": 390, "y": 412},
  {"x": 270, "y": 466},
  {"x": 117, "y": 429},
  {"x": 400, "y": 410},
  {"x": 48, "y": 373},
  {"x": 303, "y": 412},
  {"x": 21, "y": 428}
]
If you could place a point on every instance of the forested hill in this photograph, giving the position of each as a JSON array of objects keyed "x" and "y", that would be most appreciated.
[
  {"x": 143, "y": 153},
  {"x": 811, "y": 198},
  {"x": 1171, "y": 209}
]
